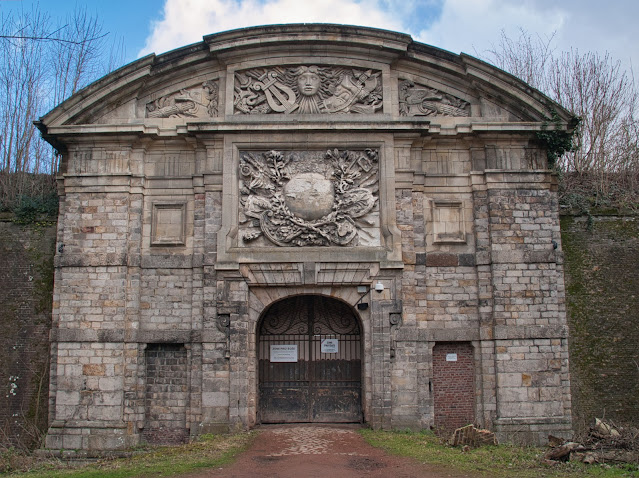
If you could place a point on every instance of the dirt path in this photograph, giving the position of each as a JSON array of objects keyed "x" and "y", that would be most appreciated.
[{"x": 325, "y": 451}]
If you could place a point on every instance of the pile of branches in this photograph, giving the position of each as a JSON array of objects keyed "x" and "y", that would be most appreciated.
[{"x": 604, "y": 443}]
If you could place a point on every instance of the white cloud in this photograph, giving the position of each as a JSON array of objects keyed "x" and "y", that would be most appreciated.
[
  {"x": 471, "y": 26},
  {"x": 186, "y": 21}
]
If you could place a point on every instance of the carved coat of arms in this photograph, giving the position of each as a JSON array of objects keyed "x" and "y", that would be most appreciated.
[{"x": 306, "y": 198}]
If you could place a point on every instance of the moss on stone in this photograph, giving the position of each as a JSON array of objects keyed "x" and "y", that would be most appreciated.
[{"x": 602, "y": 285}]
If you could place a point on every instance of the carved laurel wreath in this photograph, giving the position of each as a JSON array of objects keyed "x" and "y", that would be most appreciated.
[{"x": 287, "y": 201}]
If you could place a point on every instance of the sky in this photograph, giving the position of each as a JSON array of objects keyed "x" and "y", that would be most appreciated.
[{"x": 469, "y": 26}]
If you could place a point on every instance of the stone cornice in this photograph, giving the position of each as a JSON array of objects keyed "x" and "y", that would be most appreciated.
[{"x": 66, "y": 132}]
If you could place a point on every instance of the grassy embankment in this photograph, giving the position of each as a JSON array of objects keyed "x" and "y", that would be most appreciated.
[
  {"x": 209, "y": 452},
  {"x": 495, "y": 461}
]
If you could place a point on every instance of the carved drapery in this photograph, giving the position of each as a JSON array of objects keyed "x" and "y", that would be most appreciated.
[
  {"x": 307, "y": 90},
  {"x": 198, "y": 101},
  {"x": 306, "y": 198},
  {"x": 418, "y": 100}
]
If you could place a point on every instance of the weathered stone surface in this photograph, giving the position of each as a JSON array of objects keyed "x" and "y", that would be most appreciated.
[{"x": 186, "y": 214}]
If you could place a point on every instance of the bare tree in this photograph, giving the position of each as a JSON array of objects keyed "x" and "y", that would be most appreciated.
[
  {"x": 528, "y": 57},
  {"x": 599, "y": 91},
  {"x": 42, "y": 62},
  {"x": 21, "y": 70},
  {"x": 76, "y": 60},
  {"x": 603, "y": 95}
]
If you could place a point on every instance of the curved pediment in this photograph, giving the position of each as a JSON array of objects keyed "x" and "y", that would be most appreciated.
[{"x": 302, "y": 73}]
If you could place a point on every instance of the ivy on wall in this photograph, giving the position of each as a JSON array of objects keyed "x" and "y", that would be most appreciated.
[{"x": 556, "y": 140}]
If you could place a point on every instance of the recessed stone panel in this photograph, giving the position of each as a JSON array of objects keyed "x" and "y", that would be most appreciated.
[
  {"x": 448, "y": 221},
  {"x": 168, "y": 224}
]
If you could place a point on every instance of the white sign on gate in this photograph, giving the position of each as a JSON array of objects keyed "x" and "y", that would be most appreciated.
[
  {"x": 283, "y": 353},
  {"x": 330, "y": 346}
]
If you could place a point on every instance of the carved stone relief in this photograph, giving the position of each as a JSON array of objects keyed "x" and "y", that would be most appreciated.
[
  {"x": 307, "y": 90},
  {"x": 199, "y": 101},
  {"x": 309, "y": 198},
  {"x": 418, "y": 100}
]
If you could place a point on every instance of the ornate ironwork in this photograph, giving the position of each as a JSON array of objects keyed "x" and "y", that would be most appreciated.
[{"x": 301, "y": 314}]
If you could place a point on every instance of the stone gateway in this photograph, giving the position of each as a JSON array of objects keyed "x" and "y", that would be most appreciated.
[{"x": 305, "y": 223}]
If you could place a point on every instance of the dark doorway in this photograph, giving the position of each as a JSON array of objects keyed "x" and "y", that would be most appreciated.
[{"x": 310, "y": 366}]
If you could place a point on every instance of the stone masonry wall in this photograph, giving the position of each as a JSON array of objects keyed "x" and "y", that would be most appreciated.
[
  {"x": 162, "y": 294},
  {"x": 531, "y": 350},
  {"x": 601, "y": 284}
]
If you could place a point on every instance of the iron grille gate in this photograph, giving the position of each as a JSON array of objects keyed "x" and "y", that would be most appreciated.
[{"x": 310, "y": 382}]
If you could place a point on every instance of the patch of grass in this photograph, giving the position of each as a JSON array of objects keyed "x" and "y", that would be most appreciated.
[
  {"x": 496, "y": 461},
  {"x": 210, "y": 451}
]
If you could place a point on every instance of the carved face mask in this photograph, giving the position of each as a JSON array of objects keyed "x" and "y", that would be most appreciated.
[{"x": 308, "y": 83}]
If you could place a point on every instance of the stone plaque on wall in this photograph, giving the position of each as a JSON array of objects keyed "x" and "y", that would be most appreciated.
[
  {"x": 309, "y": 198},
  {"x": 448, "y": 221},
  {"x": 168, "y": 224}
]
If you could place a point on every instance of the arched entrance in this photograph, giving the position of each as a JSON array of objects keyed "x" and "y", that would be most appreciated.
[{"x": 309, "y": 362}]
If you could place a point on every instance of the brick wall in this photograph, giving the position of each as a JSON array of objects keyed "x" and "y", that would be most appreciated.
[
  {"x": 166, "y": 394},
  {"x": 602, "y": 282},
  {"x": 453, "y": 385},
  {"x": 26, "y": 283}
]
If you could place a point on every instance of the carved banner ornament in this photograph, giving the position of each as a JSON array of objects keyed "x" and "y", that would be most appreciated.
[
  {"x": 307, "y": 198},
  {"x": 417, "y": 100},
  {"x": 307, "y": 90},
  {"x": 200, "y": 101}
]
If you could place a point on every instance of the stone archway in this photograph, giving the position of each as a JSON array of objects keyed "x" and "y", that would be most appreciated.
[{"x": 310, "y": 361}]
